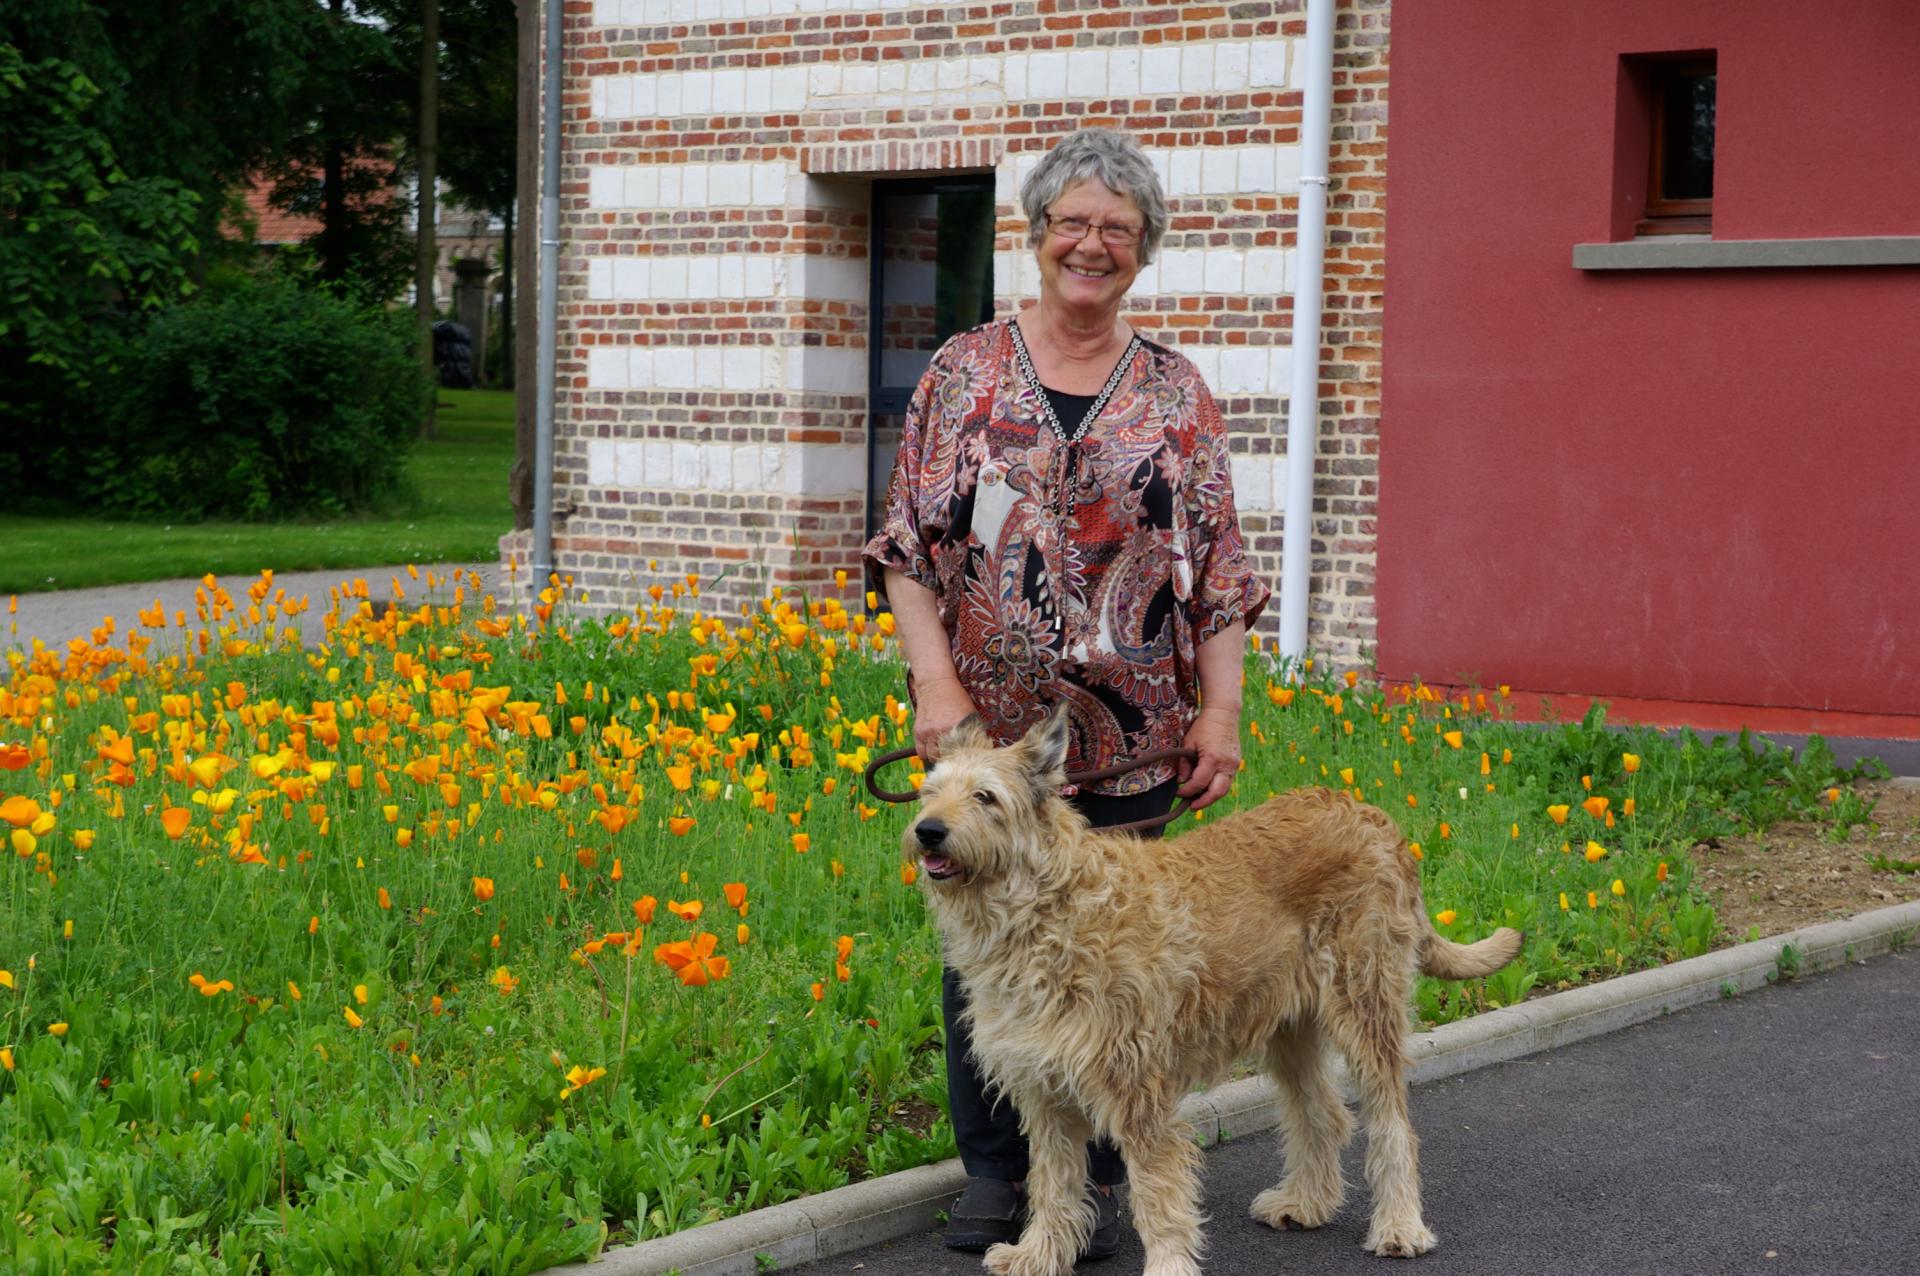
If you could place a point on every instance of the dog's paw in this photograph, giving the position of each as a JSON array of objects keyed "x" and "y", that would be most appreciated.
[
  {"x": 1022, "y": 1260},
  {"x": 1171, "y": 1265},
  {"x": 1400, "y": 1240},
  {"x": 1289, "y": 1211}
]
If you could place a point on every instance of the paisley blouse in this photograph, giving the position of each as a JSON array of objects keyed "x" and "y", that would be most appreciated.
[{"x": 1087, "y": 572}]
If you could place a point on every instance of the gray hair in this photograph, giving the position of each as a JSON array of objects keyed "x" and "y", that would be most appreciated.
[{"x": 1113, "y": 159}]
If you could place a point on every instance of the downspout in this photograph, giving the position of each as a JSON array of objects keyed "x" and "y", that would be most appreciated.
[
  {"x": 1303, "y": 397},
  {"x": 549, "y": 330}
]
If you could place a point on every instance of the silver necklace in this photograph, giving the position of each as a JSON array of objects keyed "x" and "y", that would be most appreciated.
[{"x": 1025, "y": 361}]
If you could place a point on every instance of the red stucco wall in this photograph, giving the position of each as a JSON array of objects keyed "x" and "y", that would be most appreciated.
[{"x": 1681, "y": 485}]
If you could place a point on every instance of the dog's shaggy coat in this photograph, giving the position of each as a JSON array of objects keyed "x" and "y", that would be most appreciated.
[{"x": 1109, "y": 976}]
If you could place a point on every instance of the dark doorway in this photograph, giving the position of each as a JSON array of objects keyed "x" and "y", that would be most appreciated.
[{"x": 932, "y": 276}]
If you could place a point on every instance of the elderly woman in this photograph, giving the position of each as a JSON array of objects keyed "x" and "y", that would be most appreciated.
[{"x": 1059, "y": 529}]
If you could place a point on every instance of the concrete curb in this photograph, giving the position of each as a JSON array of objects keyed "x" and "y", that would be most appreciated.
[{"x": 898, "y": 1205}]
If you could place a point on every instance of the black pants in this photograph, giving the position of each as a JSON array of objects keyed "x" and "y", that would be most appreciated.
[{"x": 986, "y": 1128}]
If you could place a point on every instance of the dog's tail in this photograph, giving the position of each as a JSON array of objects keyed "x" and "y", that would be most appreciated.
[{"x": 1444, "y": 959}]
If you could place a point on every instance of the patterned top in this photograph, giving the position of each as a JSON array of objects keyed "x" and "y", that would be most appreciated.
[{"x": 1085, "y": 572}]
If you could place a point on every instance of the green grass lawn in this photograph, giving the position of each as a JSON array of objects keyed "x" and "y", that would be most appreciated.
[{"x": 461, "y": 511}]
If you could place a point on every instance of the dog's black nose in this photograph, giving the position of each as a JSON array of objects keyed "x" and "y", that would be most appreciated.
[{"x": 931, "y": 833}]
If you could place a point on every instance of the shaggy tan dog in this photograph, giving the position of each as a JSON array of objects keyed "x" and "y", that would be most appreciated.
[{"x": 1110, "y": 976}]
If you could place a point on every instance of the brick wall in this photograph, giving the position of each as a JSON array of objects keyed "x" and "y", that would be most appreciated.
[{"x": 714, "y": 276}]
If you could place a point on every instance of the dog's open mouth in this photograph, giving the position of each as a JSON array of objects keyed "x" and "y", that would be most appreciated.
[{"x": 939, "y": 867}]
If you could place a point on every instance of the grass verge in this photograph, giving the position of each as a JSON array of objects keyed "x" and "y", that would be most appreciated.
[
  {"x": 454, "y": 944},
  {"x": 458, "y": 513}
]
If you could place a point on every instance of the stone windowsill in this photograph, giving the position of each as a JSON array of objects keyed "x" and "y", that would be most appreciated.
[{"x": 1699, "y": 252}]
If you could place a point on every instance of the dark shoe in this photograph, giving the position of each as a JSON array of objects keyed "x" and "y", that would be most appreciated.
[
  {"x": 988, "y": 1212},
  {"x": 1105, "y": 1241}
]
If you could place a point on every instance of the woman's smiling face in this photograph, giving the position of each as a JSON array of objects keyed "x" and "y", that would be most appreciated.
[{"x": 1089, "y": 276}]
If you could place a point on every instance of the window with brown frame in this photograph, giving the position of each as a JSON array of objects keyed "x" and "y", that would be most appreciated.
[{"x": 1680, "y": 146}]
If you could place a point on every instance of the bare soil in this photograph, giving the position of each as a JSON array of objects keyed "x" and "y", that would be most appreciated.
[{"x": 1796, "y": 874}]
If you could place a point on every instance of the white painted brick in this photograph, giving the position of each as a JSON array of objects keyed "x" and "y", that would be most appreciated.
[
  {"x": 1161, "y": 161},
  {"x": 716, "y": 464},
  {"x": 733, "y": 276},
  {"x": 790, "y": 88},
  {"x": 640, "y": 368},
  {"x": 619, "y": 101},
  {"x": 950, "y": 73},
  {"x": 1147, "y": 282},
  {"x": 1182, "y": 271},
  {"x": 643, "y": 186},
  {"x": 1243, "y": 370},
  {"x": 707, "y": 368},
  {"x": 769, "y": 184},
  {"x": 607, "y": 368},
  {"x": 1253, "y": 485},
  {"x": 1256, "y": 169},
  {"x": 673, "y": 367},
  {"x": 1123, "y": 72},
  {"x": 1046, "y": 74},
  {"x": 703, "y": 276},
  {"x": 1230, "y": 67},
  {"x": 1196, "y": 68},
  {"x": 729, "y": 91},
  {"x": 600, "y": 462},
  {"x": 669, "y": 86},
  {"x": 986, "y": 73},
  {"x": 659, "y": 463},
  {"x": 597, "y": 98},
  {"x": 1268, "y": 65},
  {"x": 1015, "y": 81},
  {"x": 646, "y": 95},
  {"x": 600, "y": 279},
  {"x": 893, "y": 77},
  {"x": 632, "y": 12},
  {"x": 1279, "y": 369},
  {"x": 1266, "y": 271},
  {"x": 667, "y": 278},
  {"x": 757, "y": 96},
  {"x": 686, "y": 466},
  {"x": 1286, "y": 168},
  {"x": 729, "y": 185},
  {"x": 759, "y": 270},
  {"x": 1220, "y": 170},
  {"x": 922, "y": 75},
  {"x": 686, "y": 10},
  {"x": 1160, "y": 71},
  {"x": 833, "y": 468},
  {"x": 740, "y": 368},
  {"x": 670, "y": 178},
  {"x": 823, "y": 79},
  {"x": 1185, "y": 173},
  {"x": 1087, "y": 73},
  {"x": 1223, "y": 270},
  {"x": 630, "y": 278},
  {"x": 604, "y": 187},
  {"x": 1002, "y": 274},
  {"x": 658, "y": 11},
  {"x": 693, "y": 186},
  {"x": 630, "y": 465},
  {"x": 606, "y": 12},
  {"x": 860, "y": 81},
  {"x": 746, "y": 469}
]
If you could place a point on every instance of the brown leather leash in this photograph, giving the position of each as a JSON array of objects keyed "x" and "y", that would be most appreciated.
[{"x": 1076, "y": 777}]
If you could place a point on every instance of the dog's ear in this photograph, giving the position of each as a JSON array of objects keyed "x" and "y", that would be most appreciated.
[
  {"x": 968, "y": 733},
  {"x": 1045, "y": 747}
]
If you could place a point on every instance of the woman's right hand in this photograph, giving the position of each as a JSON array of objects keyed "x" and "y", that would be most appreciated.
[{"x": 938, "y": 709}]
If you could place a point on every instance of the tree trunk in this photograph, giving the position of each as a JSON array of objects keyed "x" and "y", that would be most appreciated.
[
  {"x": 429, "y": 249},
  {"x": 525, "y": 351}
]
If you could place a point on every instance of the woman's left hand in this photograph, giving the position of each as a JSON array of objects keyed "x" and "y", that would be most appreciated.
[{"x": 1215, "y": 736}]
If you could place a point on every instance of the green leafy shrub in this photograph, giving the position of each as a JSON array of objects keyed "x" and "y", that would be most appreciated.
[{"x": 272, "y": 401}]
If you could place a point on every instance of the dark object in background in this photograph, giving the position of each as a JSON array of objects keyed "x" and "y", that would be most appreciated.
[{"x": 453, "y": 354}]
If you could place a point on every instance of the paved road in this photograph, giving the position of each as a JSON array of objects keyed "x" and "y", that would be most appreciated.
[
  {"x": 56, "y": 617},
  {"x": 1777, "y": 1133}
]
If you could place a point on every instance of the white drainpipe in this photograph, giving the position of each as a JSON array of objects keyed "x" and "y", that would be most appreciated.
[
  {"x": 1303, "y": 399},
  {"x": 549, "y": 329}
]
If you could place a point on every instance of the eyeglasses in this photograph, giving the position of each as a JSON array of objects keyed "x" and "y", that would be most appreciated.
[{"x": 1117, "y": 235}]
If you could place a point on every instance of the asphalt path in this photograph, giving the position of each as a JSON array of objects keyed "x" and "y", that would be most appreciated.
[
  {"x": 1778, "y": 1132},
  {"x": 54, "y": 618}
]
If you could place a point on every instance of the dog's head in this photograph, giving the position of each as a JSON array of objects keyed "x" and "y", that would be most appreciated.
[{"x": 985, "y": 809}]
